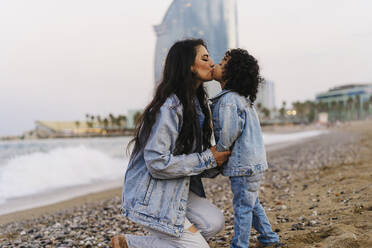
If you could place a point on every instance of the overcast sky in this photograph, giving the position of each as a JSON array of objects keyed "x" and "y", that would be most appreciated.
[{"x": 62, "y": 59}]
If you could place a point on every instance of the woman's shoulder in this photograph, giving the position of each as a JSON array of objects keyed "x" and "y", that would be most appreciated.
[{"x": 172, "y": 102}]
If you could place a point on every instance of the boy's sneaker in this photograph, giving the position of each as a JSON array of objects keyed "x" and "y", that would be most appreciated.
[{"x": 272, "y": 245}]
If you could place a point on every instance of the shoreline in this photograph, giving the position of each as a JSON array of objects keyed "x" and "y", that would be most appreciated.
[
  {"x": 19, "y": 204},
  {"x": 275, "y": 128},
  {"x": 22, "y": 207},
  {"x": 53, "y": 208}
]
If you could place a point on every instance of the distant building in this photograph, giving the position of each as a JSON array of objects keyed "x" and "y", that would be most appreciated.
[
  {"x": 50, "y": 129},
  {"x": 215, "y": 21},
  {"x": 345, "y": 92},
  {"x": 266, "y": 95},
  {"x": 323, "y": 118},
  {"x": 347, "y": 102}
]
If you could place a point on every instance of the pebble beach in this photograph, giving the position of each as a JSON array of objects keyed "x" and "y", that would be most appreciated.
[{"x": 316, "y": 193}]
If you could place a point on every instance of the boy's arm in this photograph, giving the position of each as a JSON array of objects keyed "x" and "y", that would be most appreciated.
[{"x": 231, "y": 125}]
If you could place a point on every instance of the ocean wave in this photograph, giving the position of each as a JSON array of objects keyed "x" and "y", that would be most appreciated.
[
  {"x": 270, "y": 139},
  {"x": 59, "y": 168}
]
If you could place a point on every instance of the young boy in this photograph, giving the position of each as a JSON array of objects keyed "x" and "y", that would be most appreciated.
[{"x": 237, "y": 128}]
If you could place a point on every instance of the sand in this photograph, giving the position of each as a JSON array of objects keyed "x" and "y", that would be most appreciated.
[{"x": 317, "y": 193}]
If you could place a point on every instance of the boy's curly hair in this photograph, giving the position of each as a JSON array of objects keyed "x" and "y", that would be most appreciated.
[{"x": 242, "y": 73}]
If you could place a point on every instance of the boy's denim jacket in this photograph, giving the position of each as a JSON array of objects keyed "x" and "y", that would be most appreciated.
[
  {"x": 156, "y": 184},
  {"x": 237, "y": 128}
]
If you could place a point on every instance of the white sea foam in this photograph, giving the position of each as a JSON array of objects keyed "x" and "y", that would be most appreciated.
[
  {"x": 65, "y": 167},
  {"x": 270, "y": 139},
  {"x": 59, "y": 168}
]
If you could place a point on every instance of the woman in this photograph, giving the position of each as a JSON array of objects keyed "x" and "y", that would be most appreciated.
[{"x": 162, "y": 189}]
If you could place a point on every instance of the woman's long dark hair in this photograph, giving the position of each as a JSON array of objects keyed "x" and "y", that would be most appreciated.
[
  {"x": 179, "y": 80},
  {"x": 242, "y": 73}
]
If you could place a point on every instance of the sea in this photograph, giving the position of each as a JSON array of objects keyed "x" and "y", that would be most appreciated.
[{"x": 60, "y": 169}]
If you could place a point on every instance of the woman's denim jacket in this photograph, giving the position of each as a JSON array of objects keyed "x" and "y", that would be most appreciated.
[
  {"x": 156, "y": 184},
  {"x": 237, "y": 128}
]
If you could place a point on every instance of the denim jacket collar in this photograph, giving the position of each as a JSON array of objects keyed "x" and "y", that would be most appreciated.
[
  {"x": 223, "y": 92},
  {"x": 216, "y": 97}
]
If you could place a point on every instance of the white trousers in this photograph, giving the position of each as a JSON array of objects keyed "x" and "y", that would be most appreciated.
[{"x": 207, "y": 218}]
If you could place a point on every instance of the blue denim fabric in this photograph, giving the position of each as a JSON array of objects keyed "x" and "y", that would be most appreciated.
[
  {"x": 156, "y": 184},
  {"x": 237, "y": 128},
  {"x": 249, "y": 212}
]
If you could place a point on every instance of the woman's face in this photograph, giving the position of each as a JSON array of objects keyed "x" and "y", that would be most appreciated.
[
  {"x": 219, "y": 69},
  {"x": 203, "y": 65}
]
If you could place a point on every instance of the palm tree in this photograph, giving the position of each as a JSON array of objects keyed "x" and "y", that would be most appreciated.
[
  {"x": 340, "y": 109},
  {"x": 105, "y": 123},
  {"x": 366, "y": 108},
  {"x": 259, "y": 106},
  {"x": 282, "y": 110},
  {"x": 358, "y": 105},
  {"x": 300, "y": 110},
  {"x": 349, "y": 103},
  {"x": 137, "y": 117},
  {"x": 333, "y": 110},
  {"x": 77, "y": 124},
  {"x": 266, "y": 112},
  {"x": 122, "y": 121},
  {"x": 88, "y": 122},
  {"x": 92, "y": 119},
  {"x": 309, "y": 111},
  {"x": 112, "y": 120},
  {"x": 99, "y": 120}
]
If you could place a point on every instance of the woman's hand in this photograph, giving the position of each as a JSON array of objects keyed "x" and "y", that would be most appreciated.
[{"x": 220, "y": 157}]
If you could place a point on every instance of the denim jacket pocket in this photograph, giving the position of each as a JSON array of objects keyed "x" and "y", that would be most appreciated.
[{"x": 149, "y": 190}]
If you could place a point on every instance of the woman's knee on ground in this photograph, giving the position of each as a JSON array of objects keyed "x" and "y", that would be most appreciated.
[{"x": 216, "y": 223}]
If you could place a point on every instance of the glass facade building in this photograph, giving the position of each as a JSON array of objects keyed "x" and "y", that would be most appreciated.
[
  {"x": 215, "y": 21},
  {"x": 266, "y": 95},
  {"x": 345, "y": 92},
  {"x": 347, "y": 102}
]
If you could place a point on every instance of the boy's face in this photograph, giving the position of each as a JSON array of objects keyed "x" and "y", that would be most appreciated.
[{"x": 219, "y": 69}]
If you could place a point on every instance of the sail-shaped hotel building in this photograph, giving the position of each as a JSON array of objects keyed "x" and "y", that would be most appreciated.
[{"x": 215, "y": 21}]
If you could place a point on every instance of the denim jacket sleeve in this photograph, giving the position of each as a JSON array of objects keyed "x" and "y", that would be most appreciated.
[
  {"x": 160, "y": 161},
  {"x": 231, "y": 126}
]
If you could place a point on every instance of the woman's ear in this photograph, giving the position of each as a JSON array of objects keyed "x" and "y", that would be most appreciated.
[{"x": 192, "y": 69}]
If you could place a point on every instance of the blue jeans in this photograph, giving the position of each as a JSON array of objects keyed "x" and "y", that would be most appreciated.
[{"x": 249, "y": 212}]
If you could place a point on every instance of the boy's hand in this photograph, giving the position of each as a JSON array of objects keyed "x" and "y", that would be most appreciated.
[{"x": 220, "y": 157}]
